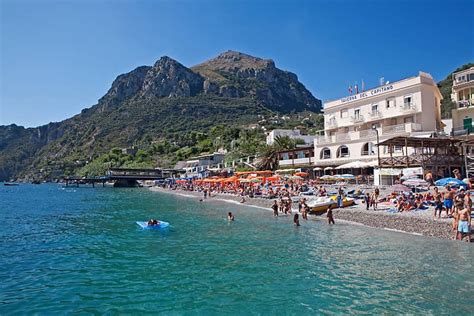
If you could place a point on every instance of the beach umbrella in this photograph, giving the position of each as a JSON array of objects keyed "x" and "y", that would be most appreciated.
[
  {"x": 255, "y": 180},
  {"x": 400, "y": 188},
  {"x": 409, "y": 176},
  {"x": 301, "y": 174},
  {"x": 317, "y": 168},
  {"x": 415, "y": 182},
  {"x": 449, "y": 181},
  {"x": 346, "y": 176},
  {"x": 296, "y": 178},
  {"x": 327, "y": 177}
]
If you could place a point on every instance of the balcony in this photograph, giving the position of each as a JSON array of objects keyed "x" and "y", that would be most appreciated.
[
  {"x": 375, "y": 114},
  {"x": 408, "y": 107},
  {"x": 366, "y": 133},
  {"x": 464, "y": 104},
  {"x": 341, "y": 137},
  {"x": 296, "y": 161},
  {"x": 357, "y": 119},
  {"x": 323, "y": 140},
  {"x": 401, "y": 128}
]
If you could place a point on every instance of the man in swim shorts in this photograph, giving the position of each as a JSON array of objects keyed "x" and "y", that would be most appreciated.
[
  {"x": 448, "y": 200},
  {"x": 464, "y": 224}
]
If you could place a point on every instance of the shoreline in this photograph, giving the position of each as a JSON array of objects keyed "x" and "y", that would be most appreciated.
[{"x": 356, "y": 215}]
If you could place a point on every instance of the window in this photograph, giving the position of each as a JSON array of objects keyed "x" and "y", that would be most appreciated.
[
  {"x": 408, "y": 120},
  {"x": 407, "y": 100},
  {"x": 375, "y": 108},
  {"x": 285, "y": 156},
  {"x": 342, "y": 152},
  {"x": 398, "y": 149},
  {"x": 357, "y": 113},
  {"x": 344, "y": 113},
  {"x": 375, "y": 125},
  {"x": 325, "y": 153},
  {"x": 301, "y": 154},
  {"x": 390, "y": 103}
]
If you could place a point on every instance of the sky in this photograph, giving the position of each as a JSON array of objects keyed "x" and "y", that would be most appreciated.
[{"x": 60, "y": 56}]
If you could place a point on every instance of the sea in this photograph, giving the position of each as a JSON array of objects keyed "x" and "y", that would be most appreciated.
[{"x": 68, "y": 250}]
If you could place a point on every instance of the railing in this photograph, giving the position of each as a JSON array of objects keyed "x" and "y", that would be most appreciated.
[
  {"x": 464, "y": 104},
  {"x": 375, "y": 113},
  {"x": 408, "y": 106},
  {"x": 324, "y": 139},
  {"x": 296, "y": 161},
  {"x": 393, "y": 129},
  {"x": 367, "y": 133},
  {"x": 367, "y": 153},
  {"x": 342, "y": 137},
  {"x": 458, "y": 82},
  {"x": 357, "y": 118}
]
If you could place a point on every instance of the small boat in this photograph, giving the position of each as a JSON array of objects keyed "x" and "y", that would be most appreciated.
[
  {"x": 161, "y": 225},
  {"x": 347, "y": 201},
  {"x": 11, "y": 184},
  {"x": 320, "y": 205}
]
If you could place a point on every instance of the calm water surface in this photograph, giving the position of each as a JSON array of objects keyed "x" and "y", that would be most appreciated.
[{"x": 78, "y": 250}]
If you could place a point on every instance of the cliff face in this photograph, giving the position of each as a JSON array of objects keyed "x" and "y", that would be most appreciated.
[
  {"x": 234, "y": 74},
  {"x": 152, "y": 102}
]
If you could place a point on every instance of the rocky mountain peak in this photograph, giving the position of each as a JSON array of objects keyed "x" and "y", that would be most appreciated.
[{"x": 169, "y": 78}]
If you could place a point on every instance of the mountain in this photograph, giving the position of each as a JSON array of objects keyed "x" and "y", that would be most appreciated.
[
  {"x": 166, "y": 101},
  {"x": 445, "y": 87},
  {"x": 234, "y": 74}
]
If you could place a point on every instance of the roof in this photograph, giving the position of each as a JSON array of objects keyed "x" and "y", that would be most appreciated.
[{"x": 418, "y": 141}]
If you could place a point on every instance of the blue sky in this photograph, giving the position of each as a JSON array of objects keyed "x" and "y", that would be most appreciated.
[{"x": 58, "y": 57}]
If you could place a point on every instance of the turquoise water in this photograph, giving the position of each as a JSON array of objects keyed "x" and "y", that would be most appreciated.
[{"x": 78, "y": 250}]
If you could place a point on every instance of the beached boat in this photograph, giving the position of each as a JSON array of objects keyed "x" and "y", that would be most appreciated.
[
  {"x": 320, "y": 205},
  {"x": 347, "y": 201}
]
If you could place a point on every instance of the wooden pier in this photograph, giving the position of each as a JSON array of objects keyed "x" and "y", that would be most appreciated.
[{"x": 124, "y": 177}]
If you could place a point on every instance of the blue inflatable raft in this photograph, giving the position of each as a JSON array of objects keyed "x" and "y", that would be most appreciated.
[{"x": 144, "y": 225}]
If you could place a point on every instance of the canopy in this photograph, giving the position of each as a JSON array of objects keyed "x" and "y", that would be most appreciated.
[
  {"x": 317, "y": 168},
  {"x": 296, "y": 178},
  {"x": 372, "y": 163},
  {"x": 328, "y": 168},
  {"x": 353, "y": 164}
]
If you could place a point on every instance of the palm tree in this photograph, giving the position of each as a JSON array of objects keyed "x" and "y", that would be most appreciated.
[{"x": 268, "y": 157}]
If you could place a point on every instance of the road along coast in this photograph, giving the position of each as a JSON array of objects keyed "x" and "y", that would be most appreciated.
[{"x": 416, "y": 223}]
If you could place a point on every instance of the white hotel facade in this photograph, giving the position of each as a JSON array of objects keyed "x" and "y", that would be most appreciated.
[{"x": 409, "y": 107}]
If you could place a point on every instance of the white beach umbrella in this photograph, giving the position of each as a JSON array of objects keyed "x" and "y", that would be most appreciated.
[
  {"x": 317, "y": 168},
  {"x": 328, "y": 168}
]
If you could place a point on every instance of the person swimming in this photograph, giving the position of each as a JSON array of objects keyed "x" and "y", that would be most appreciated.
[
  {"x": 230, "y": 216},
  {"x": 153, "y": 222}
]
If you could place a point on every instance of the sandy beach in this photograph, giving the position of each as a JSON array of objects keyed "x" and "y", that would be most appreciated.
[{"x": 417, "y": 223}]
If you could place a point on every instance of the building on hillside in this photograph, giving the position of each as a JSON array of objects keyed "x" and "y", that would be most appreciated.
[
  {"x": 463, "y": 97},
  {"x": 198, "y": 166},
  {"x": 296, "y": 158},
  {"x": 291, "y": 133},
  {"x": 355, "y": 123}
]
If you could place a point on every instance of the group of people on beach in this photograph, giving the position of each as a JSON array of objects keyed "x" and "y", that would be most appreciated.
[{"x": 456, "y": 204}]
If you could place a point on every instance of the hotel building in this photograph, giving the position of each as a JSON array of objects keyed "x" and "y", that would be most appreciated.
[
  {"x": 463, "y": 97},
  {"x": 409, "y": 107}
]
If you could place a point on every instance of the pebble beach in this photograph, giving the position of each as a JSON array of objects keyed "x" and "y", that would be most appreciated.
[{"x": 417, "y": 223}]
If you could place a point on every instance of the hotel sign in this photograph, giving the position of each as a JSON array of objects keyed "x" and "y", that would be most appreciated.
[{"x": 367, "y": 94}]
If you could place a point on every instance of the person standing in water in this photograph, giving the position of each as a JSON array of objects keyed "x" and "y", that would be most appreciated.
[
  {"x": 275, "y": 208},
  {"x": 296, "y": 220},
  {"x": 330, "y": 216},
  {"x": 230, "y": 217}
]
